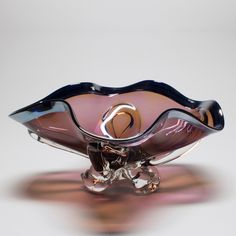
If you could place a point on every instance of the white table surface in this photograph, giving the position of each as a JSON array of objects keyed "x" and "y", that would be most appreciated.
[{"x": 45, "y": 45}]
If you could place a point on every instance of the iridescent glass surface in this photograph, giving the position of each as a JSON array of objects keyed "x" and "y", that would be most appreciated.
[{"x": 123, "y": 131}]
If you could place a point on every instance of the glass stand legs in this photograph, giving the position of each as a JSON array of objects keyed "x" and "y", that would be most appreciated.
[{"x": 110, "y": 165}]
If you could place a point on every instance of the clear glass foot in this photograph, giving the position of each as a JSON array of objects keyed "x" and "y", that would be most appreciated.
[{"x": 111, "y": 164}]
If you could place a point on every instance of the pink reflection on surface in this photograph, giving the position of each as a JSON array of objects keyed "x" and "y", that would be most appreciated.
[{"x": 118, "y": 209}]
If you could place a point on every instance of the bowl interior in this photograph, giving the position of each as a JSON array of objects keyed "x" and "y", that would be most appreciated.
[{"x": 120, "y": 116}]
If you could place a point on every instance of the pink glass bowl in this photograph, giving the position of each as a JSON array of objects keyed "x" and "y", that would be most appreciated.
[{"x": 123, "y": 131}]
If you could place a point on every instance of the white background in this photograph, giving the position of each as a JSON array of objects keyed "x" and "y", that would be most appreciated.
[{"x": 44, "y": 45}]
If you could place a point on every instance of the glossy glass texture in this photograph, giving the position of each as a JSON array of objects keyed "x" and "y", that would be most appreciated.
[
  {"x": 151, "y": 116},
  {"x": 123, "y": 131}
]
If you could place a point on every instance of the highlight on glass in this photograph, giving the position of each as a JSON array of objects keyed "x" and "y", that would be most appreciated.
[{"x": 124, "y": 132}]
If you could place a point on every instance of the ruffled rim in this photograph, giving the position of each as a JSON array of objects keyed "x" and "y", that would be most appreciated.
[{"x": 148, "y": 85}]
